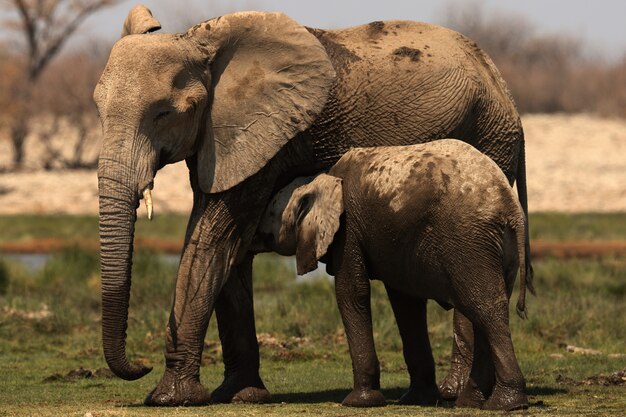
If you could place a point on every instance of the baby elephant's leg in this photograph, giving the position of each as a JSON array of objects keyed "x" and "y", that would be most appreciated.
[
  {"x": 410, "y": 315},
  {"x": 480, "y": 381},
  {"x": 509, "y": 392},
  {"x": 353, "y": 297},
  {"x": 461, "y": 358},
  {"x": 493, "y": 347}
]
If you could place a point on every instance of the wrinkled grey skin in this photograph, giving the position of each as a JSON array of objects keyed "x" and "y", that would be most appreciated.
[
  {"x": 436, "y": 220},
  {"x": 250, "y": 101}
]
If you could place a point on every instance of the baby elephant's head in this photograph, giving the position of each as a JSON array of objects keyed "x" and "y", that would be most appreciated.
[{"x": 302, "y": 220}]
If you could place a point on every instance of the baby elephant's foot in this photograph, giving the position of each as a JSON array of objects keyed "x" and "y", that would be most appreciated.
[
  {"x": 421, "y": 396},
  {"x": 507, "y": 399},
  {"x": 251, "y": 395},
  {"x": 471, "y": 396},
  {"x": 365, "y": 398},
  {"x": 239, "y": 389},
  {"x": 174, "y": 391},
  {"x": 451, "y": 387}
]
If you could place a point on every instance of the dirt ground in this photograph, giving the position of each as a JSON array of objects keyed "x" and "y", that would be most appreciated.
[{"x": 575, "y": 163}]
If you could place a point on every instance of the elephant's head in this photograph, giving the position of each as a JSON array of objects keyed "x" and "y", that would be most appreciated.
[
  {"x": 302, "y": 220},
  {"x": 229, "y": 93}
]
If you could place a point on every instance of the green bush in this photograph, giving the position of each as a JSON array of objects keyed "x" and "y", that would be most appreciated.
[{"x": 70, "y": 266}]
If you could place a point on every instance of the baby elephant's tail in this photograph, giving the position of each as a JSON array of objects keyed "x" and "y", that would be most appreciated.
[{"x": 519, "y": 225}]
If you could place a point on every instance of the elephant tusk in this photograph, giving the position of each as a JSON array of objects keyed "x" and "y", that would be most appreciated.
[{"x": 147, "y": 196}]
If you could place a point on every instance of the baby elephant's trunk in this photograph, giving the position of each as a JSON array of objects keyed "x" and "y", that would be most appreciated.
[{"x": 519, "y": 225}]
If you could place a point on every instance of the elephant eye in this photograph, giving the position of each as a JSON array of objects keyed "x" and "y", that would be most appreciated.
[{"x": 162, "y": 115}]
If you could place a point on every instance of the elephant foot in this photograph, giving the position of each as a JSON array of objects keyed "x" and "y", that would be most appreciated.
[
  {"x": 451, "y": 386},
  {"x": 364, "y": 398},
  {"x": 421, "y": 396},
  {"x": 238, "y": 389},
  {"x": 506, "y": 399},
  {"x": 174, "y": 391},
  {"x": 471, "y": 396}
]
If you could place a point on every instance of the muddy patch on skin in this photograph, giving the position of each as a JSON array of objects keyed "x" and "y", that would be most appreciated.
[
  {"x": 80, "y": 373},
  {"x": 340, "y": 56},
  {"x": 411, "y": 53}
]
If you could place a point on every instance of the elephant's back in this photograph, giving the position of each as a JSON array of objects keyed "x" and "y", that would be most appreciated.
[
  {"x": 398, "y": 83},
  {"x": 404, "y": 46},
  {"x": 403, "y": 82},
  {"x": 395, "y": 41},
  {"x": 447, "y": 179}
]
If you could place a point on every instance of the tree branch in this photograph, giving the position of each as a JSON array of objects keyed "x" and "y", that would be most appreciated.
[{"x": 39, "y": 20}]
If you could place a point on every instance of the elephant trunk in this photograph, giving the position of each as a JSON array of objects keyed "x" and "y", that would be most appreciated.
[{"x": 119, "y": 198}]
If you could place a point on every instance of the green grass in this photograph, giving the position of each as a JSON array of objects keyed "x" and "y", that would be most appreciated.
[
  {"x": 546, "y": 226},
  {"x": 49, "y": 324},
  {"x": 579, "y": 226}
]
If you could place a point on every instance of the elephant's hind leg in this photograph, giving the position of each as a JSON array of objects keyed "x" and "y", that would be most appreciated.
[
  {"x": 410, "y": 316},
  {"x": 242, "y": 382},
  {"x": 461, "y": 358},
  {"x": 509, "y": 392},
  {"x": 479, "y": 384},
  {"x": 493, "y": 350},
  {"x": 494, "y": 357}
]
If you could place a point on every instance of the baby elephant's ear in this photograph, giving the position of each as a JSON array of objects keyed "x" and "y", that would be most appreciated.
[
  {"x": 318, "y": 208},
  {"x": 140, "y": 20}
]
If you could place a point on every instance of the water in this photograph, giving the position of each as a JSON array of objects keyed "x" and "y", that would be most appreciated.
[
  {"x": 32, "y": 261},
  {"x": 35, "y": 261}
]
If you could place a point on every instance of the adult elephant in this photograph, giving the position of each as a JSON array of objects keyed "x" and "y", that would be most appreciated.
[{"x": 250, "y": 101}]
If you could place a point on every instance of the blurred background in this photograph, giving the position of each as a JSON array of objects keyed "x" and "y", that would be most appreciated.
[{"x": 565, "y": 64}]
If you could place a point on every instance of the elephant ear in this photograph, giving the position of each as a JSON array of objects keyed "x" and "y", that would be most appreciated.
[
  {"x": 140, "y": 20},
  {"x": 271, "y": 78},
  {"x": 315, "y": 211},
  {"x": 275, "y": 216}
]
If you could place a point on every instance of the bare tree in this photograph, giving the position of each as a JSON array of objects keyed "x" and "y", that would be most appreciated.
[
  {"x": 45, "y": 26},
  {"x": 71, "y": 128}
]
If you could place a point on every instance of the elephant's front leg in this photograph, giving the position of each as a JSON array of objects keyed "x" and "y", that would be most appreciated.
[
  {"x": 242, "y": 382},
  {"x": 353, "y": 297},
  {"x": 461, "y": 358},
  {"x": 410, "y": 316},
  {"x": 219, "y": 230}
]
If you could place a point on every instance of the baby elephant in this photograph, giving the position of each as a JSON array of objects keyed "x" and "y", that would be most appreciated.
[{"x": 437, "y": 220}]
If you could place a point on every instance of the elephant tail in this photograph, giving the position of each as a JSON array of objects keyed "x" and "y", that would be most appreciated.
[
  {"x": 520, "y": 180},
  {"x": 520, "y": 227}
]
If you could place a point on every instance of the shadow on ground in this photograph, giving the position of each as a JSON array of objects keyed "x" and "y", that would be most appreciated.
[
  {"x": 391, "y": 394},
  {"x": 330, "y": 396}
]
